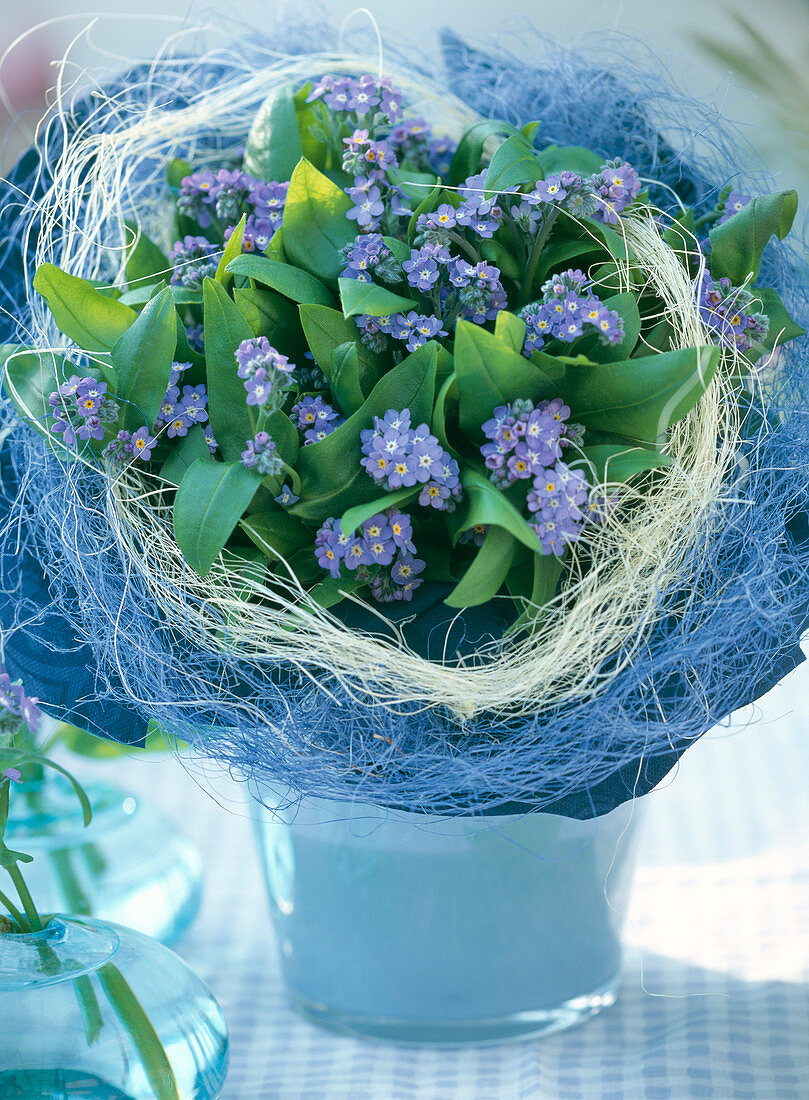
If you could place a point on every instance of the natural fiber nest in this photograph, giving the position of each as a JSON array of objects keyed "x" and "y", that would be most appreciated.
[
  {"x": 635, "y": 556},
  {"x": 658, "y": 571}
]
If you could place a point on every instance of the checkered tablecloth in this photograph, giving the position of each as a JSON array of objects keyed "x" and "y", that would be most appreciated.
[{"x": 715, "y": 1001}]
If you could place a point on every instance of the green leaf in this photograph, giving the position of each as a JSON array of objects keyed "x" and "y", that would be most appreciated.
[
  {"x": 355, "y": 517},
  {"x": 345, "y": 378},
  {"x": 548, "y": 568},
  {"x": 415, "y": 185},
  {"x": 400, "y": 249},
  {"x": 275, "y": 249},
  {"x": 638, "y": 398},
  {"x": 269, "y": 314},
  {"x": 467, "y": 158},
  {"x": 92, "y": 320},
  {"x": 509, "y": 329},
  {"x": 514, "y": 162},
  {"x": 232, "y": 249},
  {"x": 447, "y": 395},
  {"x": 284, "y": 435},
  {"x": 142, "y": 359},
  {"x": 431, "y": 201},
  {"x": 738, "y": 244},
  {"x": 145, "y": 260},
  {"x": 277, "y": 534},
  {"x": 316, "y": 228},
  {"x": 210, "y": 501},
  {"x": 485, "y": 576},
  {"x": 332, "y": 478},
  {"x": 333, "y": 589},
  {"x": 26, "y": 756},
  {"x": 370, "y": 298},
  {"x": 484, "y": 504},
  {"x": 185, "y": 452},
  {"x": 569, "y": 158},
  {"x": 612, "y": 464},
  {"x": 529, "y": 130},
  {"x": 326, "y": 329},
  {"x": 312, "y": 116},
  {"x": 140, "y": 295},
  {"x": 28, "y": 377},
  {"x": 497, "y": 253},
  {"x": 176, "y": 171},
  {"x": 231, "y": 419},
  {"x": 290, "y": 281},
  {"x": 489, "y": 373},
  {"x": 274, "y": 144},
  {"x": 135, "y": 1021}
]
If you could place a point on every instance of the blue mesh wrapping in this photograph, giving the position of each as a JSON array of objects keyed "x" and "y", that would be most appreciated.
[{"x": 87, "y": 639}]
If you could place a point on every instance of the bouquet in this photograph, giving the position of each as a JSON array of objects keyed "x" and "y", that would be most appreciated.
[{"x": 379, "y": 443}]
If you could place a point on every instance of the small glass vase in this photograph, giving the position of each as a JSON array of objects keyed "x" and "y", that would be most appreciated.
[
  {"x": 97, "y": 1011},
  {"x": 129, "y": 865},
  {"x": 416, "y": 928}
]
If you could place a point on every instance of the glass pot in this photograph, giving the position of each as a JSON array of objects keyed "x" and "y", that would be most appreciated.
[
  {"x": 97, "y": 1011},
  {"x": 129, "y": 865},
  {"x": 427, "y": 929}
]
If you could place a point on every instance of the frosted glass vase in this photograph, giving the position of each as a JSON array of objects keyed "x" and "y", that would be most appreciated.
[
  {"x": 129, "y": 865},
  {"x": 426, "y": 929},
  {"x": 93, "y": 1010}
]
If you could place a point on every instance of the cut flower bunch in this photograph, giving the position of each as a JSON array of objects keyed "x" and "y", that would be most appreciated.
[{"x": 374, "y": 357}]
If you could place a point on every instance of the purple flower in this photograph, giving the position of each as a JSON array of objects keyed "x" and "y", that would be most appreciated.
[
  {"x": 369, "y": 206},
  {"x": 557, "y": 498},
  {"x": 429, "y": 455},
  {"x": 729, "y": 313},
  {"x": 735, "y": 202},
  {"x": 401, "y": 531},
  {"x": 356, "y": 554},
  {"x": 329, "y": 550},
  {"x": 318, "y": 433},
  {"x": 422, "y": 270},
  {"x": 142, "y": 444},
  {"x": 312, "y": 412},
  {"x": 194, "y": 259},
  {"x": 614, "y": 188},
  {"x": 524, "y": 439},
  {"x": 14, "y": 774},
  {"x": 267, "y": 200},
  {"x": 405, "y": 574},
  {"x": 196, "y": 337},
  {"x": 377, "y": 540},
  {"x": 193, "y": 403},
  {"x": 261, "y": 455},
  {"x": 197, "y": 195},
  {"x": 17, "y": 703},
  {"x": 207, "y": 431}
]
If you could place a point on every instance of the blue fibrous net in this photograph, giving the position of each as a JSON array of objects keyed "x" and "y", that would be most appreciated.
[{"x": 83, "y": 629}]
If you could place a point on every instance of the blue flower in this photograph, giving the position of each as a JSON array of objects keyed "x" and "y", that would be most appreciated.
[
  {"x": 142, "y": 444},
  {"x": 735, "y": 202},
  {"x": 422, "y": 270},
  {"x": 286, "y": 497},
  {"x": 405, "y": 574}
]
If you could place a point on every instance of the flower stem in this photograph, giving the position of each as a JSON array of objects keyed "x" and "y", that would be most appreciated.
[
  {"x": 533, "y": 259},
  {"x": 33, "y": 917},
  {"x": 12, "y": 910},
  {"x": 463, "y": 243}
]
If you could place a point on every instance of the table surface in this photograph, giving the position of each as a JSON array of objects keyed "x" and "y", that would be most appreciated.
[{"x": 715, "y": 1000}]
